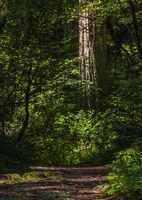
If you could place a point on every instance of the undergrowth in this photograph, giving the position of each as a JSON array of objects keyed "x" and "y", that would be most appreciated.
[{"x": 126, "y": 174}]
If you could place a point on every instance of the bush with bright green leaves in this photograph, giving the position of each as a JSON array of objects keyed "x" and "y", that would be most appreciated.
[
  {"x": 126, "y": 175},
  {"x": 71, "y": 141}
]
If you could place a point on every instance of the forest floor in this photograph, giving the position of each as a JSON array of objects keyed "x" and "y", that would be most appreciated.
[{"x": 62, "y": 183}]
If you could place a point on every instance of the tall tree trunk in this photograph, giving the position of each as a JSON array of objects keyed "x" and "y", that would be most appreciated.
[{"x": 88, "y": 72}]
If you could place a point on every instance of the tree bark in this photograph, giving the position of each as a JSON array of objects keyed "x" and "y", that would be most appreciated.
[
  {"x": 135, "y": 23},
  {"x": 27, "y": 101},
  {"x": 88, "y": 72}
]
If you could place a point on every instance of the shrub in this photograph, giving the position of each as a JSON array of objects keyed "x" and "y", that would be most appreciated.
[
  {"x": 30, "y": 176},
  {"x": 126, "y": 175},
  {"x": 71, "y": 141}
]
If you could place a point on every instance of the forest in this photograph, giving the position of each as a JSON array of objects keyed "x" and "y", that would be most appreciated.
[{"x": 70, "y": 99}]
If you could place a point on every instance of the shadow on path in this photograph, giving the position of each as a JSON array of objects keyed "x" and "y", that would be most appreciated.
[{"x": 76, "y": 183}]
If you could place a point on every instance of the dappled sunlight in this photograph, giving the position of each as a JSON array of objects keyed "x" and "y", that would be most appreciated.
[{"x": 76, "y": 182}]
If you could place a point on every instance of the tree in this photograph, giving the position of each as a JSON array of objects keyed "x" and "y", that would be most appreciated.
[{"x": 88, "y": 70}]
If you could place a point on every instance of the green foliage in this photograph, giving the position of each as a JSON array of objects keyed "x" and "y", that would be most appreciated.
[
  {"x": 41, "y": 98},
  {"x": 126, "y": 175},
  {"x": 51, "y": 175},
  {"x": 15, "y": 178},
  {"x": 30, "y": 176},
  {"x": 49, "y": 196},
  {"x": 20, "y": 197},
  {"x": 71, "y": 141}
]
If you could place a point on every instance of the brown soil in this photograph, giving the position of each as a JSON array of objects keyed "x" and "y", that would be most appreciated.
[{"x": 66, "y": 183}]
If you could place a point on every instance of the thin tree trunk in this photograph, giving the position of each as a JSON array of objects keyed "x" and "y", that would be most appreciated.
[
  {"x": 135, "y": 23},
  {"x": 27, "y": 100}
]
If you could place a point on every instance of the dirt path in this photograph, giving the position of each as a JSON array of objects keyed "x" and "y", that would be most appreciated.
[{"x": 65, "y": 183}]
